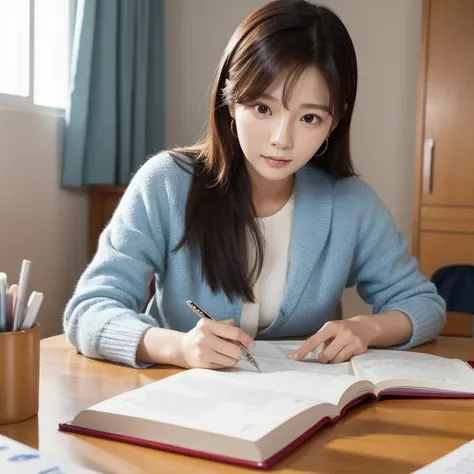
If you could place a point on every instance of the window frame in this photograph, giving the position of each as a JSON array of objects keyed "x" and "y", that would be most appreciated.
[{"x": 26, "y": 104}]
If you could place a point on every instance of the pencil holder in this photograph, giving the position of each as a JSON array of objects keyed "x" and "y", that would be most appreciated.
[{"x": 19, "y": 374}]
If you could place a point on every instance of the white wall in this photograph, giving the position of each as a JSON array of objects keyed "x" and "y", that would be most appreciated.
[
  {"x": 38, "y": 220},
  {"x": 196, "y": 33},
  {"x": 386, "y": 37}
]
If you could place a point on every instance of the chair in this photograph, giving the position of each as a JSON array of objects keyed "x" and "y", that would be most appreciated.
[{"x": 455, "y": 284}]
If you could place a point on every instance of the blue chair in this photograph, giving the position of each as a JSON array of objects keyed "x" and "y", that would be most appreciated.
[{"x": 455, "y": 284}]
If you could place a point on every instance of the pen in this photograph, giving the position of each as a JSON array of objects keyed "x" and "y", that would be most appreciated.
[
  {"x": 3, "y": 302},
  {"x": 21, "y": 298},
  {"x": 202, "y": 314},
  {"x": 11, "y": 301},
  {"x": 34, "y": 304}
]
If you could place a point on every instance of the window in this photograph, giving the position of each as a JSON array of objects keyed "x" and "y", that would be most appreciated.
[{"x": 35, "y": 46}]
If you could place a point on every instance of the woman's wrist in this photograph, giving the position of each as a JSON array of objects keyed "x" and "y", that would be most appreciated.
[
  {"x": 387, "y": 329},
  {"x": 373, "y": 328},
  {"x": 161, "y": 346}
]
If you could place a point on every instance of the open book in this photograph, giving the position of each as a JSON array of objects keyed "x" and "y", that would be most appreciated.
[{"x": 241, "y": 416}]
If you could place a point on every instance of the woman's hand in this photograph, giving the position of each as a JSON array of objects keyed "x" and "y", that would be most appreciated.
[
  {"x": 214, "y": 344},
  {"x": 341, "y": 339}
]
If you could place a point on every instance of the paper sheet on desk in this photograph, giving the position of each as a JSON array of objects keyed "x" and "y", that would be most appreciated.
[
  {"x": 271, "y": 356},
  {"x": 275, "y": 352},
  {"x": 459, "y": 461},
  {"x": 279, "y": 349},
  {"x": 17, "y": 458}
]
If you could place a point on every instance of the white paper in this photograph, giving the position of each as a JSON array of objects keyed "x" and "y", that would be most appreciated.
[
  {"x": 275, "y": 352},
  {"x": 459, "y": 461},
  {"x": 280, "y": 349},
  {"x": 17, "y": 458}
]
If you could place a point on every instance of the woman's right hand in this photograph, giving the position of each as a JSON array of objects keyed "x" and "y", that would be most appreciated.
[{"x": 214, "y": 344}]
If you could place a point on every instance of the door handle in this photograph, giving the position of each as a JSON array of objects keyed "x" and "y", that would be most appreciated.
[{"x": 427, "y": 165}]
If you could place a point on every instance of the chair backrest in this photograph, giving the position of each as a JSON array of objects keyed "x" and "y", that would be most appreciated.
[{"x": 455, "y": 284}]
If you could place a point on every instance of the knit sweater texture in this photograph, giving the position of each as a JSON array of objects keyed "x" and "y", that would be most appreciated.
[{"x": 342, "y": 236}]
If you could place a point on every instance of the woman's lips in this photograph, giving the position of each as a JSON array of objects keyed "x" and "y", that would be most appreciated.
[{"x": 275, "y": 161}]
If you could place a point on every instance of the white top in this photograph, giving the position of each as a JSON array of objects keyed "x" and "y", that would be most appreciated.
[{"x": 270, "y": 286}]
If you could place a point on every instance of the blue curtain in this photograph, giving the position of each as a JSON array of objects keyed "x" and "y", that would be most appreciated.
[{"x": 115, "y": 118}]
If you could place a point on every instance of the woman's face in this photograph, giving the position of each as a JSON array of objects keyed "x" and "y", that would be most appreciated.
[{"x": 277, "y": 141}]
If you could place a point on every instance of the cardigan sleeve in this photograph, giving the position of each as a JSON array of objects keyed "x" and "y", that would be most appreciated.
[
  {"x": 387, "y": 276},
  {"x": 103, "y": 319}
]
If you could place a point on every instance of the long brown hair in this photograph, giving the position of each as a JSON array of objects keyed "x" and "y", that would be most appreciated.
[{"x": 282, "y": 35}]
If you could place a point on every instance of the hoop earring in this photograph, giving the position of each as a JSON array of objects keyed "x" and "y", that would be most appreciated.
[
  {"x": 325, "y": 148},
  {"x": 232, "y": 123}
]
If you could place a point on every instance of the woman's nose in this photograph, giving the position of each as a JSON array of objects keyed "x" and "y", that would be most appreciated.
[{"x": 282, "y": 135}]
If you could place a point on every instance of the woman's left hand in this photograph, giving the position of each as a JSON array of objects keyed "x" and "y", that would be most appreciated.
[{"x": 341, "y": 339}]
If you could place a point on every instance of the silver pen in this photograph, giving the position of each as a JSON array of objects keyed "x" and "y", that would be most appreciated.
[
  {"x": 20, "y": 303},
  {"x": 203, "y": 314}
]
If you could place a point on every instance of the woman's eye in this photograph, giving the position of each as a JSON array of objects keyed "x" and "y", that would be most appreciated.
[
  {"x": 310, "y": 118},
  {"x": 261, "y": 109}
]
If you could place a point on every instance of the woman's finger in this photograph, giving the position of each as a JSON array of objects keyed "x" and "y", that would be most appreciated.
[
  {"x": 226, "y": 348},
  {"x": 227, "y": 331},
  {"x": 328, "y": 331},
  {"x": 222, "y": 360},
  {"x": 347, "y": 352},
  {"x": 343, "y": 339}
]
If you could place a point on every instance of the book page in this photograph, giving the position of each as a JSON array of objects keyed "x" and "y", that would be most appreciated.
[
  {"x": 410, "y": 369},
  {"x": 323, "y": 381},
  {"x": 396, "y": 354},
  {"x": 201, "y": 399},
  {"x": 327, "y": 382},
  {"x": 459, "y": 461}
]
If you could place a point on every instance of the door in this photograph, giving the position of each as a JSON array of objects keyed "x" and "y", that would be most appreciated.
[{"x": 448, "y": 158}]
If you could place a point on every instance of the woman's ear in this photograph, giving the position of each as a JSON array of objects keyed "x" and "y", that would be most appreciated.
[{"x": 232, "y": 112}]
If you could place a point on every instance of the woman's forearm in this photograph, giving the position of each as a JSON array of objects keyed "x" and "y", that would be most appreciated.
[
  {"x": 390, "y": 328},
  {"x": 161, "y": 346}
]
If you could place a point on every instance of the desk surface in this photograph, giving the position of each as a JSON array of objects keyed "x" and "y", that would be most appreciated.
[{"x": 390, "y": 436}]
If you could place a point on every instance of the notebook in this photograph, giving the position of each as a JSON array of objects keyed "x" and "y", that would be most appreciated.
[
  {"x": 244, "y": 417},
  {"x": 17, "y": 458}
]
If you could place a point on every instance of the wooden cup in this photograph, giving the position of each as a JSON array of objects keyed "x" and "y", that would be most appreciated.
[{"x": 19, "y": 374}]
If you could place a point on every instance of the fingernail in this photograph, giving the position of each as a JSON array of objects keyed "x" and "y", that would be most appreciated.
[{"x": 291, "y": 356}]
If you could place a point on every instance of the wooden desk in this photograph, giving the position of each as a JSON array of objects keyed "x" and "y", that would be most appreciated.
[{"x": 391, "y": 436}]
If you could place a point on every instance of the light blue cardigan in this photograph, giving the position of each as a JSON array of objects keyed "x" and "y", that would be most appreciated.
[{"x": 343, "y": 235}]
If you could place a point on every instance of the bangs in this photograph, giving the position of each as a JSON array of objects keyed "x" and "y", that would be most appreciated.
[{"x": 252, "y": 74}]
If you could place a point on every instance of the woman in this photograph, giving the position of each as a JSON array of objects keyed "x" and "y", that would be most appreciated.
[{"x": 263, "y": 223}]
